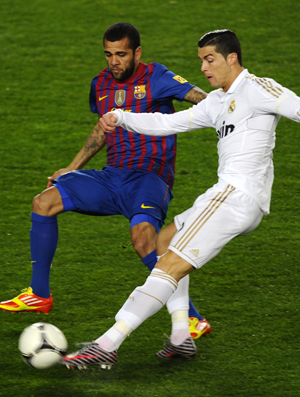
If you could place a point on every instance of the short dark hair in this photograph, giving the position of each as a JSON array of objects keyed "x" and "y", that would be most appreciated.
[
  {"x": 120, "y": 30},
  {"x": 225, "y": 42}
]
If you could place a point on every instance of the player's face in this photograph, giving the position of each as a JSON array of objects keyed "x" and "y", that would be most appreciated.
[
  {"x": 216, "y": 68},
  {"x": 122, "y": 60}
]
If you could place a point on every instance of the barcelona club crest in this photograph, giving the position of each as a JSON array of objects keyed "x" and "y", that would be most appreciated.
[{"x": 139, "y": 91}]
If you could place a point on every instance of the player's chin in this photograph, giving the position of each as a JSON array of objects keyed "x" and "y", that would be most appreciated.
[{"x": 117, "y": 76}]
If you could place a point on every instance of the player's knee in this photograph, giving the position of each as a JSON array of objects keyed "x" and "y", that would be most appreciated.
[
  {"x": 39, "y": 205},
  {"x": 174, "y": 265},
  {"x": 46, "y": 203},
  {"x": 142, "y": 244},
  {"x": 143, "y": 238}
]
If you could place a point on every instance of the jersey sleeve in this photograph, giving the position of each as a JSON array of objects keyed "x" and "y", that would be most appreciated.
[
  {"x": 93, "y": 96},
  {"x": 271, "y": 97},
  {"x": 158, "y": 124},
  {"x": 167, "y": 84}
]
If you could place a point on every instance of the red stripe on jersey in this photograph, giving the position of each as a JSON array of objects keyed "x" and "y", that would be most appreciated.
[
  {"x": 172, "y": 164},
  {"x": 154, "y": 153},
  {"x": 148, "y": 85},
  {"x": 144, "y": 151},
  {"x": 98, "y": 85},
  {"x": 163, "y": 157},
  {"x": 129, "y": 100},
  {"x": 102, "y": 92},
  {"x": 132, "y": 149},
  {"x": 142, "y": 138},
  {"x": 104, "y": 104},
  {"x": 149, "y": 110},
  {"x": 114, "y": 152},
  {"x": 123, "y": 150}
]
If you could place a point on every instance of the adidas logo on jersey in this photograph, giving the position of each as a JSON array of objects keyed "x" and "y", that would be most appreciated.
[{"x": 195, "y": 252}]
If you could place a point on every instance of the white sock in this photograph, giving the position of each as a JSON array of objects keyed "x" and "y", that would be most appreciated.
[
  {"x": 180, "y": 327},
  {"x": 147, "y": 299},
  {"x": 141, "y": 304},
  {"x": 178, "y": 307},
  {"x": 113, "y": 338},
  {"x": 180, "y": 299}
]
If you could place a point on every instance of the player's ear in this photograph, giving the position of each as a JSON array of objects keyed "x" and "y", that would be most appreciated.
[
  {"x": 138, "y": 53},
  {"x": 232, "y": 58}
]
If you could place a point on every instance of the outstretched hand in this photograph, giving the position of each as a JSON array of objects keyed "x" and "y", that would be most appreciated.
[{"x": 108, "y": 122}]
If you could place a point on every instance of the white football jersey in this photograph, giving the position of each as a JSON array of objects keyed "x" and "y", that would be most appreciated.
[{"x": 245, "y": 118}]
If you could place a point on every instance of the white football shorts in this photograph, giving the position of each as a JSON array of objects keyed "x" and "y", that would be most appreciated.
[{"x": 216, "y": 217}]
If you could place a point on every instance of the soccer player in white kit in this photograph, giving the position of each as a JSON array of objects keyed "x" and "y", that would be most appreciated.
[{"x": 244, "y": 111}]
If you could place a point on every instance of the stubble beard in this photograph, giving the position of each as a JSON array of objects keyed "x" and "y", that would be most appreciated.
[{"x": 127, "y": 72}]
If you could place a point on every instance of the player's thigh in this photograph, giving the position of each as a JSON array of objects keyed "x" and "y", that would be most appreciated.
[
  {"x": 91, "y": 192},
  {"x": 164, "y": 238},
  {"x": 216, "y": 217}
]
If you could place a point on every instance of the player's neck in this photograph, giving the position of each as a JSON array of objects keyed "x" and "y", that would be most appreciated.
[
  {"x": 236, "y": 71},
  {"x": 136, "y": 67}
]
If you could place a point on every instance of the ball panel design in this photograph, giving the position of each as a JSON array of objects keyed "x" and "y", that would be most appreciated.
[{"x": 42, "y": 345}]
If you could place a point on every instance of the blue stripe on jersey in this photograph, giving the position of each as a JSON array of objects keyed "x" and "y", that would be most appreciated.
[{"x": 150, "y": 90}]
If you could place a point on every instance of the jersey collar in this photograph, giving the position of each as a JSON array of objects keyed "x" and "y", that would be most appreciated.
[{"x": 237, "y": 81}]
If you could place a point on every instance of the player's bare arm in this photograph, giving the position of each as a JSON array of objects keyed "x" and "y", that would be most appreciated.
[
  {"x": 94, "y": 143},
  {"x": 195, "y": 95}
]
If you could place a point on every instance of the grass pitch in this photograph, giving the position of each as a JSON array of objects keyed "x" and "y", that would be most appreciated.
[{"x": 50, "y": 51}]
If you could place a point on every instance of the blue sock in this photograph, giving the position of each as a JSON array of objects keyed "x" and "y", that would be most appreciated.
[
  {"x": 193, "y": 312},
  {"x": 150, "y": 261},
  {"x": 43, "y": 243}
]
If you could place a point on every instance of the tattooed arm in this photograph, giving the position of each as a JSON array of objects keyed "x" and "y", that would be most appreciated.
[
  {"x": 195, "y": 95},
  {"x": 94, "y": 143}
]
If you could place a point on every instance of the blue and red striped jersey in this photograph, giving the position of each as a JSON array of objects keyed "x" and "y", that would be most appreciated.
[{"x": 151, "y": 89}]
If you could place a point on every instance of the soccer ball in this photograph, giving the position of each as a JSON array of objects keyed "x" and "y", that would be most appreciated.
[{"x": 42, "y": 345}]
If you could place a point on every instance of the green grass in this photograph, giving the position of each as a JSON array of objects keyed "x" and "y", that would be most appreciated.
[{"x": 50, "y": 51}]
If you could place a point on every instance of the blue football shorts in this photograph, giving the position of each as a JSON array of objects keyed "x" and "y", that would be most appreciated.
[{"x": 138, "y": 195}]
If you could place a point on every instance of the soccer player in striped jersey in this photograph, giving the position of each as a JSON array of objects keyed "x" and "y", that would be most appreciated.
[
  {"x": 244, "y": 111},
  {"x": 138, "y": 179}
]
